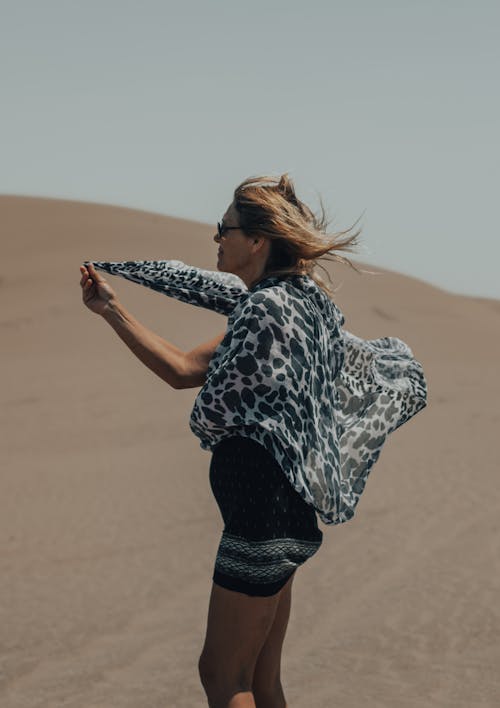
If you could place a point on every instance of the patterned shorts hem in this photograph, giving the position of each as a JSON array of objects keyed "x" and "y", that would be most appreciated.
[
  {"x": 259, "y": 567},
  {"x": 254, "y": 589}
]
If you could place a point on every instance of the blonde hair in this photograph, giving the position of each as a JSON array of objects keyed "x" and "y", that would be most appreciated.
[{"x": 268, "y": 206}]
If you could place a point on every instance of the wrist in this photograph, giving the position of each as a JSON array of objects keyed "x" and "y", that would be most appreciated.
[{"x": 111, "y": 309}]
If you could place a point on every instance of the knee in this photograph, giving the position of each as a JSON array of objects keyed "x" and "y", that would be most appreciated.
[
  {"x": 206, "y": 670},
  {"x": 218, "y": 678}
]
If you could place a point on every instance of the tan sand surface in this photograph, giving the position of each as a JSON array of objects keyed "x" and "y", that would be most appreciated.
[{"x": 108, "y": 528}]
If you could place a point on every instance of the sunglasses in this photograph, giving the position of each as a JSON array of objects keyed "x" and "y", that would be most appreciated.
[{"x": 222, "y": 228}]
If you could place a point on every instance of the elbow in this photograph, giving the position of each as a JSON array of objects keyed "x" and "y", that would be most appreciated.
[
  {"x": 189, "y": 375},
  {"x": 173, "y": 380},
  {"x": 176, "y": 375},
  {"x": 189, "y": 382}
]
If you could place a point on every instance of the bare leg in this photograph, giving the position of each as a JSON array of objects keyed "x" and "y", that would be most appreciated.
[
  {"x": 237, "y": 628},
  {"x": 266, "y": 684}
]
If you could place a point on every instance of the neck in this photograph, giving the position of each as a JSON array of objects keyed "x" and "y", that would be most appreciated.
[{"x": 251, "y": 278}]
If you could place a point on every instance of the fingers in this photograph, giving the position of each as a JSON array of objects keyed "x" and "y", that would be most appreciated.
[
  {"x": 84, "y": 274},
  {"x": 89, "y": 269},
  {"x": 85, "y": 280},
  {"x": 92, "y": 271}
]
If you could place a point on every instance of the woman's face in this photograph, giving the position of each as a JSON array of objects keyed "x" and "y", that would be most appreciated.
[{"x": 238, "y": 253}]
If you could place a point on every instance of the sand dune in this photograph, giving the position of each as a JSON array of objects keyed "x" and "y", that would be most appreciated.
[{"x": 108, "y": 528}]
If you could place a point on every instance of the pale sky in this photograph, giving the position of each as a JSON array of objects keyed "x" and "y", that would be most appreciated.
[{"x": 389, "y": 110}]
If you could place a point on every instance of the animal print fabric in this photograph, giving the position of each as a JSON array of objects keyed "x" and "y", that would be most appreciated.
[{"x": 321, "y": 399}]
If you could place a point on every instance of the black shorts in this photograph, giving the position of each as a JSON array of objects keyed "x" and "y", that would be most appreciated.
[{"x": 269, "y": 530}]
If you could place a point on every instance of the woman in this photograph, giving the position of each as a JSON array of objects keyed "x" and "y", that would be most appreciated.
[{"x": 294, "y": 410}]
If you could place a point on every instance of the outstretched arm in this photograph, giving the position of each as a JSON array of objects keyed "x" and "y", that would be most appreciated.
[
  {"x": 164, "y": 359},
  {"x": 177, "y": 368}
]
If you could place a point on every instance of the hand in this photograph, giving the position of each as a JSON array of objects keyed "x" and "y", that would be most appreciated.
[{"x": 96, "y": 292}]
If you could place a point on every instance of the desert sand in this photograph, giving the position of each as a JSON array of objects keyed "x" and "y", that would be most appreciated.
[{"x": 108, "y": 527}]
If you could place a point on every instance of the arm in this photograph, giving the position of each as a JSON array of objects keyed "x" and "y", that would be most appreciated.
[
  {"x": 179, "y": 369},
  {"x": 170, "y": 363},
  {"x": 163, "y": 358},
  {"x": 197, "y": 361}
]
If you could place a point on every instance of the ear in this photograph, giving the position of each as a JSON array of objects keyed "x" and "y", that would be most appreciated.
[{"x": 260, "y": 243}]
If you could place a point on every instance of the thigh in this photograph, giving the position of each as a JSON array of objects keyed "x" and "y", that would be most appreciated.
[
  {"x": 237, "y": 628},
  {"x": 268, "y": 666}
]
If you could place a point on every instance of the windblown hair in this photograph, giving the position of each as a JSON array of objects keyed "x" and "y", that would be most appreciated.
[{"x": 268, "y": 206}]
